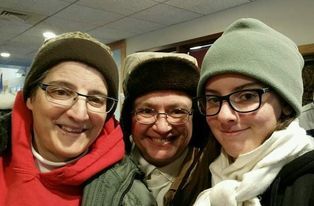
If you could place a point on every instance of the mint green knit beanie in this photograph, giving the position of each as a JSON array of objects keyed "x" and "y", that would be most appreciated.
[{"x": 251, "y": 48}]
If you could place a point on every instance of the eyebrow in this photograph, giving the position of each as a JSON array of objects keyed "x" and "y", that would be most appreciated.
[
  {"x": 152, "y": 105},
  {"x": 238, "y": 88},
  {"x": 62, "y": 83},
  {"x": 73, "y": 87}
]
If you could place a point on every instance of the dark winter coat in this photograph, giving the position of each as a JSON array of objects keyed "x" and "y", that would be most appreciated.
[
  {"x": 294, "y": 185},
  {"x": 193, "y": 178}
]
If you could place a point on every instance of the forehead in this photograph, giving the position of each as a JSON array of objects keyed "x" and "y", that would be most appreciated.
[
  {"x": 75, "y": 71},
  {"x": 164, "y": 98},
  {"x": 223, "y": 81}
]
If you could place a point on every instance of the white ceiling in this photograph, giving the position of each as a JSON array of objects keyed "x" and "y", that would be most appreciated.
[{"x": 107, "y": 20}]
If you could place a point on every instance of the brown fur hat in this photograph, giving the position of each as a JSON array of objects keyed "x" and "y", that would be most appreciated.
[{"x": 145, "y": 72}]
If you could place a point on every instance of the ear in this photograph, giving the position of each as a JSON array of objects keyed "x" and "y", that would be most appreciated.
[
  {"x": 287, "y": 110},
  {"x": 29, "y": 103}
]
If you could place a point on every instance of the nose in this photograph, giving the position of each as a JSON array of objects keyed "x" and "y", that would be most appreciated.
[
  {"x": 78, "y": 111},
  {"x": 161, "y": 125},
  {"x": 226, "y": 113}
]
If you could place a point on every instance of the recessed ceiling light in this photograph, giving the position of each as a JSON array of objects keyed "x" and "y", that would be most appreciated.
[
  {"x": 48, "y": 35},
  {"x": 5, "y": 54}
]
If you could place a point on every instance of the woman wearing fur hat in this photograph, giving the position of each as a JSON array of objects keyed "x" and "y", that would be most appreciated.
[
  {"x": 162, "y": 127},
  {"x": 63, "y": 130},
  {"x": 250, "y": 91}
]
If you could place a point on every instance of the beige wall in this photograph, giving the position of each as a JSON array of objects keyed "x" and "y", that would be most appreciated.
[{"x": 294, "y": 18}]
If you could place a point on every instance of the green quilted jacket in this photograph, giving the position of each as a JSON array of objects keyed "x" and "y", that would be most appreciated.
[{"x": 119, "y": 185}]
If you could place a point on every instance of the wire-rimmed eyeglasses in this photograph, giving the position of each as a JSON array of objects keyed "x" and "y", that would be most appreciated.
[
  {"x": 65, "y": 97},
  {"x": 243, "y": 101},
  {"x": 149, "y": 116}
]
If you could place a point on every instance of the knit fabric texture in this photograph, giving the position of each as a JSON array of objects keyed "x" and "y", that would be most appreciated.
[
  {"x": 73, "y": 46},
  {"x": 250, "y": 47}
]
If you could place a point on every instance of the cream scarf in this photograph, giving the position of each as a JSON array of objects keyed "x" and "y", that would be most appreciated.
[
  {"x": 159, "y": 179},
  {"x": 239, "y": 183}
]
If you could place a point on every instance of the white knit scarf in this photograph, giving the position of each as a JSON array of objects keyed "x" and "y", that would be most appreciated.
[{"x": 239, "y": 183}]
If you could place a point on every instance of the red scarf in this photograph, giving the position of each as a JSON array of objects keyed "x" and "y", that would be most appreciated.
[{"x": 21, "y": 183}]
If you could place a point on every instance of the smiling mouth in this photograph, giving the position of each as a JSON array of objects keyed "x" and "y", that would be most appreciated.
[
  {"x": 72, "y": 130},
  {"x": 162, "y": 141},
  {"x": 232, "y": 131}
]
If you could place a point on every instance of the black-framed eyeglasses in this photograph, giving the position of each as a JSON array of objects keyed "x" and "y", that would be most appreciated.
[
  {"x": 65, "y": 98},
  {"x": 175, "y": 116},
  {"x": 243, "y": 101}
]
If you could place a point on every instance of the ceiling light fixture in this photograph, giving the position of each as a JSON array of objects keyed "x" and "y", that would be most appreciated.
[
  {"x": 48, "y": 35},
  {"x": 5, "y": 54}
]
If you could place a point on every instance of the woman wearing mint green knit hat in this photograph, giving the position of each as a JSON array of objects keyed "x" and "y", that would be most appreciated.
[{"x": 250, "y": 91}]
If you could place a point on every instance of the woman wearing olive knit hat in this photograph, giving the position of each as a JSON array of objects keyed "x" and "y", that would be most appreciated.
[
  {"x": 64, "y": 137},
  {"x": 250, "y": 91}
]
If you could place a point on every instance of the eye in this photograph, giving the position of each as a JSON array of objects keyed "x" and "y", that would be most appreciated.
[
  {"x": 96, "y": 101},
  {"x": 60, "y": 92},
  {"x": 212, "y": 100},
  {"x": 146, "y": 112},
  {"x": 246, "y": 96},
  {"x": 178, "y": 112}
]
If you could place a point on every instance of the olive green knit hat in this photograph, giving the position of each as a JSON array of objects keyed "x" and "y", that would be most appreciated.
[
  {"x": 73, "y": 46},
  {"x": 251, "y": 48}
]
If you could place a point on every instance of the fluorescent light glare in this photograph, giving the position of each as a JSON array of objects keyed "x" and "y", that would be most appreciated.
[
  {"x": 196, "y": 47},
  {"x": 48, "y": 35},
  {"x": 5, "y": 54},
  {"x": 200, "y": 47}
]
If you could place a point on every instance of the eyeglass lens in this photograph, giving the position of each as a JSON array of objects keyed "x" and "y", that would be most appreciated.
[
  {"x": 150, "y": 116},
  {"x": 242, "y": 101},
  {"x": 65, "y": 98}
]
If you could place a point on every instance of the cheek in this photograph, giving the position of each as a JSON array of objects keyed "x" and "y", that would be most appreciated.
[
  {"x": 41, "y": 109},
  {"x": 137, "y": 129},
  {"x": 97, "y": 118},
  {"x": 186, "y": 132},
  {"x": 269, "y": 114},
  {"x": 133, "y": 124},
  {"x": 266, "y": 122},
  {"x": 189, "y": 130},
  {"x": 98, "y": 122},
  {"x": 138, "y": 135},
  {"x": 274, "y": 108},
  {"x": 211, "y": 122}
]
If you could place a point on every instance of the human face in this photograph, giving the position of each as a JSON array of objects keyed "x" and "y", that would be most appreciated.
[
  {"x": 161, "y": 143},
  {"x": 240, "y": 133},
  {"x": 61, "y": 134}
]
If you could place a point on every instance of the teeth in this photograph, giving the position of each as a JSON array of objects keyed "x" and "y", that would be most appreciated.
[
  {"x": 161, "y": 140},
  {"x": 71, "y": 129}
]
